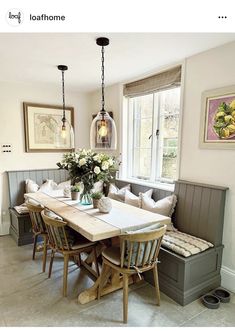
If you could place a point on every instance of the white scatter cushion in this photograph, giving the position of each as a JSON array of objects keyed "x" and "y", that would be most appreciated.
[
  {"x": 184, "y": 244},
  {"x": 118, "y": 194},
  {"x": 31, "y": 186},
  {"x": 56, "y": 193},
  {"x": 63, "y": 185},
  {"x": 52, "y": 189},
  {"x": 164, "y": 206},
  {"x": 33, "y": 202},
  {"x": 134, "y": 200},
  {"x": 50, "y": 213},
  {"x": 47, "y": 187},
  {"x": 98, "y": 187}
]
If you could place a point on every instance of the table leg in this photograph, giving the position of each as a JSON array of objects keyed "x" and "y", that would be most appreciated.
[{"x": 114, "y": 284}]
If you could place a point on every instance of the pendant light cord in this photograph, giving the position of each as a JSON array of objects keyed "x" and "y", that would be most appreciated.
[
  {"x": 102, "y": 79},
  {"x": 63, "y": 96}
]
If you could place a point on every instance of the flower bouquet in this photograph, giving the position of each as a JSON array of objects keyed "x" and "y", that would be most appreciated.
[{"x": 88, "y": 167}]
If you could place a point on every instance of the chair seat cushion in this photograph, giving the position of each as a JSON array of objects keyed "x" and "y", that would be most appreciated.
[{"x": 112, "y": 254}]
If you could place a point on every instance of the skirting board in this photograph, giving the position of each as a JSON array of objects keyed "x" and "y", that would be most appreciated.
[
  {"x": 228, "y": 279},
  {"x": 4, "y": 228}
]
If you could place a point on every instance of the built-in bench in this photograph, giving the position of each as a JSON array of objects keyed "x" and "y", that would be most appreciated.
[
  {"x": 20, "y": 228},
  {"x": 199, "y": 212}
]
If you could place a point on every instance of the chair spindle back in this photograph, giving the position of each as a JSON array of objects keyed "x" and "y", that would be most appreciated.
[
  {"x": 141, "y": 249},
  {"x": 56, "y": 232},
  {"x": 38, "y": 225}
]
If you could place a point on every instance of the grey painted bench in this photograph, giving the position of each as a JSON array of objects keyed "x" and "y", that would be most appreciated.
[
  {"x": 20, "y": 227},
  {"x": 199, "y": 212}
]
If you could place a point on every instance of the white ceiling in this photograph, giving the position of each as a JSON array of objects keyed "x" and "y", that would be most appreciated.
[{"x": 32, "y": 58}]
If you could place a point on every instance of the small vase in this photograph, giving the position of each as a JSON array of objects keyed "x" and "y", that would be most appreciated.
[
  {"x": 74, "y": 195},
  {"x": 95, "y": 203},
  {"x": 86, "y": 199}
]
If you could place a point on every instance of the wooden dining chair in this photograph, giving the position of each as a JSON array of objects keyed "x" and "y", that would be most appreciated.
[
  {"x": 138, "y": 252},
  {"x": 60, "y": 241},
  {"x": 38, "y": 229}
]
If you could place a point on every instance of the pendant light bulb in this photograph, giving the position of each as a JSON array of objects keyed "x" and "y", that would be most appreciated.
[
  {"x": 103, "y": 131},
  {"x": 63, "y": 132}
]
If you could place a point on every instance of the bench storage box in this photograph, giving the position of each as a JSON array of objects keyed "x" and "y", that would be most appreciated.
[
  {"x": 20, "y": 227},
  {"x": 200, "y": 213}
]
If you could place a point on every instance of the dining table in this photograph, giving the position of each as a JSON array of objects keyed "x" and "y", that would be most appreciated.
[{"x": 97, "y": 227}]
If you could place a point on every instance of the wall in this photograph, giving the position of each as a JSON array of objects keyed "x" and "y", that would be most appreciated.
[
  {"x": 12, "y": 131},
  {"x": 205, "y": 71},
  {"x": 208, "y": 70}
]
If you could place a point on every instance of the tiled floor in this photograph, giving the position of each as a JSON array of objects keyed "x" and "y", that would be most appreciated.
[{"x": 29, "y": 298}]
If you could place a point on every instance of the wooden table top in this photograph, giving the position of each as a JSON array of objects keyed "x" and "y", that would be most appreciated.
[{"x": 88, "y": 222}]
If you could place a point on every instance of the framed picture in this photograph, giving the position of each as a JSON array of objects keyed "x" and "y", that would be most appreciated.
[
  {"x": 42, "y": 124},
  {"x": 101, "y": 142},
  {"x": 218, "y": 118}
]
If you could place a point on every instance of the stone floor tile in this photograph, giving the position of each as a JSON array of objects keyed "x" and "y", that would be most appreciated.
[{"x": 29, "y": 298}]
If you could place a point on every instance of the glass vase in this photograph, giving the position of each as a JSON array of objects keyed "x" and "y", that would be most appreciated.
[{"x": 86, "y": 198}]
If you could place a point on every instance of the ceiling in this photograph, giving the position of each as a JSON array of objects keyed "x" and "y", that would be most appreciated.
[{"x": 33, "y": 57}]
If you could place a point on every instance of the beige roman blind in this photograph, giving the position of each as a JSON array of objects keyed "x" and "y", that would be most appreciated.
[{"x": 161, "y": 81}]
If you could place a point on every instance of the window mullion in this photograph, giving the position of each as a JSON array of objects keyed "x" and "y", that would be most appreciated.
[
  {"x": 159, "y": 140},
  {"x": 154, "y": 140}
]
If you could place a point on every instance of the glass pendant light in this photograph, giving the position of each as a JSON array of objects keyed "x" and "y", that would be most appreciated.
[
  {"x": 67, "y": 133},
  {"x": 103, "y": 133}
]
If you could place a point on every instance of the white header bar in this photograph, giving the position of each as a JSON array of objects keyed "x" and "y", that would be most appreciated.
[{"x": 117, "y": 16}]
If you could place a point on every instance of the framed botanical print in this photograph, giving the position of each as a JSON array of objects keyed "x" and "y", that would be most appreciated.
[
  {"x": 42, "y": 124},
  {"x": 218, "y": 118}
]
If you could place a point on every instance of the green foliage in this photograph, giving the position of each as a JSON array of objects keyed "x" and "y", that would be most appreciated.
[
  {"x": 96, "y": 195},
  {"x": 88, "y": 167},
  {"x": 75, "y": 188}
]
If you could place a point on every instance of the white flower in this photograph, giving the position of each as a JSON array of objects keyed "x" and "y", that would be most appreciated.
[
  {"x": 105, "y": 165},
  {"x": 110, "y": 161},
  {"x": 97, "y": 170},
  {"x": 96, "y": 157},
  {"x": 82, "y": 162}
]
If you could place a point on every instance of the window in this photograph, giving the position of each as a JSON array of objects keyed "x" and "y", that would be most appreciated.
[{"x": 152, "y": 132}]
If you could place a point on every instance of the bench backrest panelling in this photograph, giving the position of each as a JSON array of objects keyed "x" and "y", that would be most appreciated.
[
  {"x": 200, "y": 210},
  {"x": 136, "y": 188},
  {"x": 16, "y": 180}
]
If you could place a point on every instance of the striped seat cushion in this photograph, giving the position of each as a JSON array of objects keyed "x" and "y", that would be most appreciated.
[{"x": 184, "y": 244}]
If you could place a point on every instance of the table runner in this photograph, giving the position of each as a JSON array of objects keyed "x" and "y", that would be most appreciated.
[{"x": 122, "y": 216}]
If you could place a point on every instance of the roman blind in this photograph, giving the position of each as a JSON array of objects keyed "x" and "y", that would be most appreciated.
[{"x": 163, "y": 80}]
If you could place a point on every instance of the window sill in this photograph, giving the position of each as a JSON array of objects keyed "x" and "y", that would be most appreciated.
[{"x": 160, "y": 185}]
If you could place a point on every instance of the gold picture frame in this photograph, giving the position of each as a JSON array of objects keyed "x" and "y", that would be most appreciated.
[
  {"x": 217, "y": 128},
  {"x": 42, "y": 127}
]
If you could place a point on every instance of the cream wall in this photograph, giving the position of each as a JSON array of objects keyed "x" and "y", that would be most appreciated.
[
  {"x": 12, "y": 131},
  {"x": 208, "y": 70}
]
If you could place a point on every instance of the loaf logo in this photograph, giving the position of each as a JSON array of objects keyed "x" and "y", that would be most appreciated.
[{"x": 14, "y": 17}]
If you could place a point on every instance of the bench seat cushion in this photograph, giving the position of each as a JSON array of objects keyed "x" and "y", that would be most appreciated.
[{"x": 184, "y": 244}]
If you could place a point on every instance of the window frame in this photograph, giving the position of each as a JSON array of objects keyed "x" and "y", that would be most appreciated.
[{"x": 124, "y": 155}]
